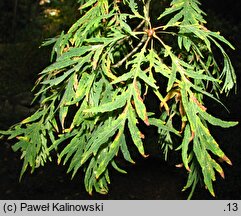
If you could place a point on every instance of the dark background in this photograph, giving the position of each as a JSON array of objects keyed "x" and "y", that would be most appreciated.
[{"x": 22, "y": 28}]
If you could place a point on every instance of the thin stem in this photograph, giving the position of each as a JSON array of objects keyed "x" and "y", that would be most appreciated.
[
  {"x": 164, "y": 32},
  {"x": 159, "y": 27},
  {"x": 140, "y": 25},
  {"x": 118, "y": 64},
  {"x": 159, "y": 39},
  {"x": 144, "y": 38},
  {"x": 147, "y": 5},
  {"x": 135, "y": 30}
]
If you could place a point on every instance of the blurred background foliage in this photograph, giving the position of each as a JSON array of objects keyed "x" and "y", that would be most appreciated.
[
  {"x": 23, "y": 20},
  {"x": 24, "y": 25}
]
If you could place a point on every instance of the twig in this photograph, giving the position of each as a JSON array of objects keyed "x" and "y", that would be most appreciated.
[
  {"x": 165, "y": 32},
  {"x": 144, "y": 39},
  {"x": 118, "y": 64},
  {"x": 140, "y": 25},
  {"x": 127, "y": 37}
]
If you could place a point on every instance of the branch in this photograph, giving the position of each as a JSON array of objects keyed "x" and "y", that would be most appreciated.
[
  {"x": 143, "y": 40},
  {"x": 127, "y": 37},
  {"x": 118, "y": 64}
]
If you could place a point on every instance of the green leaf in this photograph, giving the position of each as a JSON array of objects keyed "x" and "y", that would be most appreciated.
[
  {"x": 209, "y": 141},
  {"x": 199, "y": 75},
  {"x": 217, "y": 167},
  {"x": 74, "y": 52},
  {"x": 172, "y": 78},
  {"x": 123, "y": 78},
  {"x": 34, "y": 117},
  {"x": 69, "y": 149},
  {"x": 134, "y": 8},
  {"x": 58, "y": 65},
  {"x": 87, "y": 4},
  {"x": 96, "y": 56},
  {"x": 185, "y": 142},
  {"x": 229, "y": 74},
  {"x": 136, "y": 135},
  {"x": 16, "y": 131},
  {"x": 67, "y": 97},
  {"x": 124, "y": 149},
  {"x": 187, "y": 12},
  {"x": 101, "y": 137},
  {"x": 215, "y": 121},
  {"x": 171, "y": 10},
  {"x": 113, "y": 163},
  {"x": 207, "y": 168},
  {"x": 118, "y": 102},
  {"x": 162, "y": 125},
  {"x": 88, "y": 180},
  {"x": 148, "y": 80},
  {"x": 61, "y": 139},
  {"x": 58, "y": 80},
  {"x": 112, "y": 151},
  {"x": 221, "y": 38},
  {"x": 193, "y": 177},
  {"x": 21, "y": 144},
  {"x": 75, "y": 161},
  {"x": 139, "y": 105}
]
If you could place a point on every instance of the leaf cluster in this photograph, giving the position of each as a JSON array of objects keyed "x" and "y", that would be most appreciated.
[{"x": 104, "y": 67}]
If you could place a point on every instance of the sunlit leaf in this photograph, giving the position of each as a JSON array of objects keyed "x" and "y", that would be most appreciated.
[{"x": 115, "y": 73}]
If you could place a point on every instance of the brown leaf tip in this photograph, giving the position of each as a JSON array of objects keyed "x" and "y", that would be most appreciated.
[
  {"x": 227, "y": 160},
  {"x": 222, "y": 175}
]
